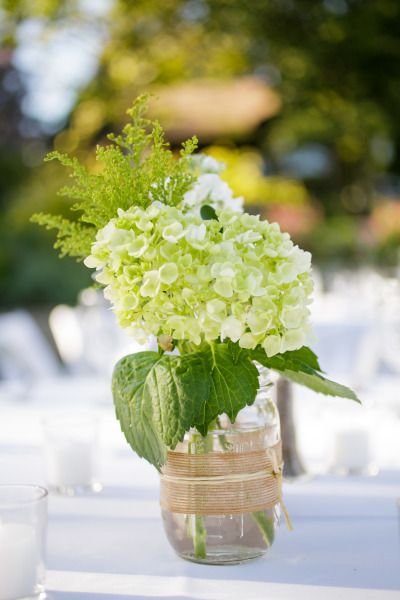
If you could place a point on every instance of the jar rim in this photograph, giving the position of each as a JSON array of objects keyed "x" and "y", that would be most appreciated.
[
  {"x": 38, "y": 493},
  {"x": 244, "y": 428}
]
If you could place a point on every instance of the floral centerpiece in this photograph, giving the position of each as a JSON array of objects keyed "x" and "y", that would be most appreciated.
[{"x": 224, "y": 292}]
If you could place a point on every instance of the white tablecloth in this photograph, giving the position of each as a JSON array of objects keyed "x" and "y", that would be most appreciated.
[{"x": 345, "y": 544}]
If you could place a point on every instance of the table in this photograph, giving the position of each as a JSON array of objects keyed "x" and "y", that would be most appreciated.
[{"x": 111, "y": 545}]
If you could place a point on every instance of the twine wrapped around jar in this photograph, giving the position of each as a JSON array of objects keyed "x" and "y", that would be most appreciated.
[{"x": 218, "y": 483}]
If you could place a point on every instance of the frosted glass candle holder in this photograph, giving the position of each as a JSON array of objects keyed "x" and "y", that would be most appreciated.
[
  {"x": 352, "y": 454},
  {"x": 23, "y": 522},
  {"x": 70, "y": 449}
]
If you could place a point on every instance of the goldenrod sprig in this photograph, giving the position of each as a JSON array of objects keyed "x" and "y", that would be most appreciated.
[{"x": 134, "y": 170}]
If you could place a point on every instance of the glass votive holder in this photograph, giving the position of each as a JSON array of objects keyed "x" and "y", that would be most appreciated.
[
  {"x": 352, "y": 453},
  {"x": 70, "y": 451},
  {"x": 23, "y": 523}
]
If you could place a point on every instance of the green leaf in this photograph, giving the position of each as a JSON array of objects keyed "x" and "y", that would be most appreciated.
[
  {"x": 236, "y": 351},
  {"x": 157, "y": 399},
  {"x": 303, "y": 355},
  {"x": 133, "y": 414},
  {"x": 234, "y": 383},
  {"x": 301, "y": 366},
  {"x": 320, "y": 384},
  {"x": 303, "y": 359},
  {"x": 177, "y": 388},
  {"x": 208, "y": 213}
]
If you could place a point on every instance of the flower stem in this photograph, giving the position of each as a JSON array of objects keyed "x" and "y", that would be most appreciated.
[
  {"x": 197, "y": 530},
  {"x": 199, "y": 535},
  {"x": 265, "y": 525}
]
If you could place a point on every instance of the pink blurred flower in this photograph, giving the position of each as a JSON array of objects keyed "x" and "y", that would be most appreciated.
[
  {"x": 384, "y": 221},
  {"x": 298, "y": 220}
]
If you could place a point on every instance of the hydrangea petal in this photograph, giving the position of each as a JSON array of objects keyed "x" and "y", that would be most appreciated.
[
  {"x": 223, "y": 287},
  {"x": 231, "y": 328},
  {"x": 272, "y": 345},
  {"x": 151, "y": 284},
  {"x": 248, "y": 340},
  {"x": 168, "y": 273}
]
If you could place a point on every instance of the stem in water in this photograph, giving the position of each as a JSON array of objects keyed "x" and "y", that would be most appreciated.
[{"x": 197, "y": 529}]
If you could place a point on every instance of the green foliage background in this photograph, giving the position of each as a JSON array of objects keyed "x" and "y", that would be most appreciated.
[{"x": 334, "y": 63}]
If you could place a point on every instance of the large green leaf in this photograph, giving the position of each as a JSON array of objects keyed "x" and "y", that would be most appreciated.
[
  {"x": 136, "y": 421},
  {"x": 158, "y": 398},
  {"x": 234, "y": 383},
  {"x": 176, "y": 389},
  {"x": 301, "y": 366}
]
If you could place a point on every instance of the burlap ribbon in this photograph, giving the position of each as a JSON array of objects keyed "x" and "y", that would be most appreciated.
[{"x": 219, "y": 483}]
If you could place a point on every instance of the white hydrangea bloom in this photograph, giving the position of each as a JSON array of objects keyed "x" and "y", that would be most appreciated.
[
  {"x": 168, "y": 272},
  {"x": 212, "y": 190}
]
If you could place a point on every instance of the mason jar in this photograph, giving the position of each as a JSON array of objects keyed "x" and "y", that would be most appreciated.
[{"x": 220, "y": 494}]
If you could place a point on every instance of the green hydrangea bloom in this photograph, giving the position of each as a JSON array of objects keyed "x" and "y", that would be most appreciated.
[{"x": 168, "y": 272}]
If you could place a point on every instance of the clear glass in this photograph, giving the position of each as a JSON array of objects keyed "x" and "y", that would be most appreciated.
[
  {"x": 228, "y": 538},
  {"x": 23, "y": 522},
  {"x": 70, "y": 450}
]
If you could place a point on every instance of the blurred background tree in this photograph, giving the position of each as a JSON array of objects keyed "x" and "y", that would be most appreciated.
[{"x": 299, "y": 98}]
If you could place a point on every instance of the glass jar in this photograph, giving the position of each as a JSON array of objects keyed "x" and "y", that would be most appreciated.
[
  {"x": 23, "y": 521},
  {"x": 220, "y": 493}
]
